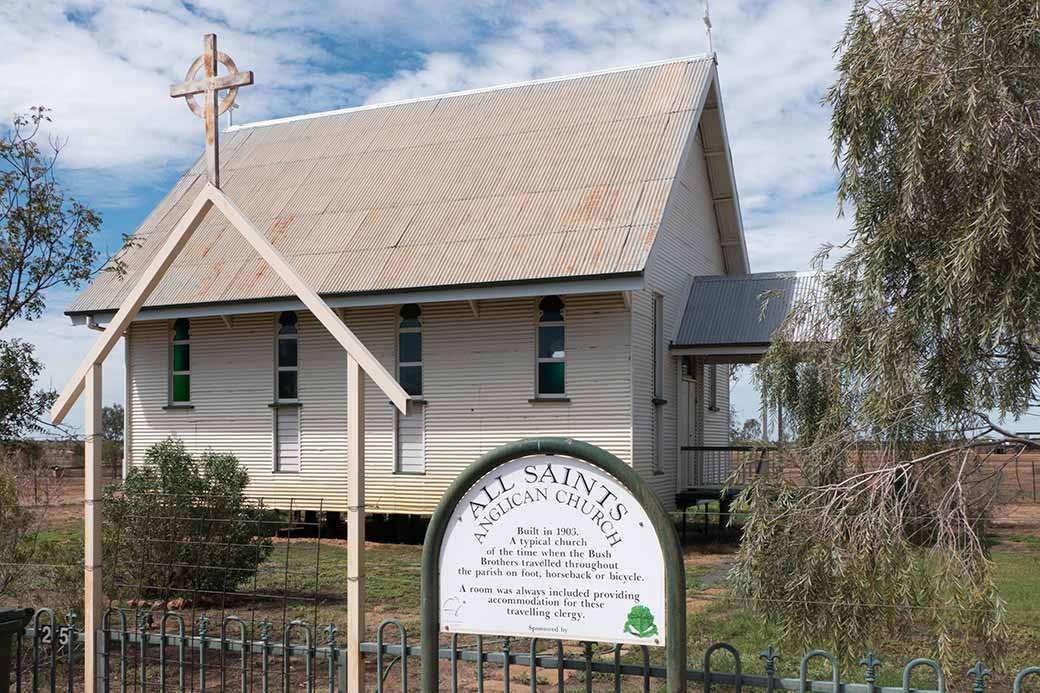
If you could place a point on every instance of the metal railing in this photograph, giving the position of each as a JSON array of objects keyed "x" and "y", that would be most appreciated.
[
  {"x": 162, "y": 651},
  {"x": 710, "y": 466}
]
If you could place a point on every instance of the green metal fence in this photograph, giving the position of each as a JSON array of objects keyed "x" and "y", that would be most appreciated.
[{"x": 145, "y": 651}]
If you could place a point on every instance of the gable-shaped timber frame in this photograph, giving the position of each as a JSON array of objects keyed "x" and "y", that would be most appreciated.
[
  {"x": 209, "y": 197},
  {"x": 88, "y": 376}
]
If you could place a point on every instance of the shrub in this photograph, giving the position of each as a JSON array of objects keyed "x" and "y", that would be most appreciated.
[
  {"x": 16, "y": 523},
  {"x": 182, "y": 526}
]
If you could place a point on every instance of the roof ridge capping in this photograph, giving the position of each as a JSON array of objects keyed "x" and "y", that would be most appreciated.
[{"x": 466, "y": 92}]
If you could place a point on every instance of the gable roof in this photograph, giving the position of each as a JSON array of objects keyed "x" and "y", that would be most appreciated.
[
  {"x": 729, "y": 310},
  {"x": 546, "y": 180}
]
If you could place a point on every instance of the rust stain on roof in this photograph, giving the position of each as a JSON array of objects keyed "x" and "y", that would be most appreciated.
[{"x": 543, "y": 180}]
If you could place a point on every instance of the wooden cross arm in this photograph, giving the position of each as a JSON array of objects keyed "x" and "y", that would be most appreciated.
[{"x": 198, "y": 86}]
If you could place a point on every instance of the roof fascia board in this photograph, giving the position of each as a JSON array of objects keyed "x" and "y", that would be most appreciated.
[
  {"x": 728, "y": 153},
  {"x": 721, "y": 351},
  {"x": 481, "y": 293},
  {"x": 467, "y": 92},
  {"x": 666, "y": 213}
]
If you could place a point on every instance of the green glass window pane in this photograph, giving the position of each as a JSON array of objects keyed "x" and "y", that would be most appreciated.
[
  {"x": 550, "y": 378},
  {"x": 410, "y": 348},
  {"x": 287, "y": 385},
  {"x": 287, "y": 353},
  {"x": 182, "y": 388},
  {"x": 180, "y": 329},
  {"x": 550, "y": 342},
  {"x": 411, "y": 379},
  {"x": 181, "y": 357}
]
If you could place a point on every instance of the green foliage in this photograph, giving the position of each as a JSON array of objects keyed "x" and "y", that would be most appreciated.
[
  {"x": 182, "y": 526},
  {"x": 16, "y": 522},
  {"x": 928, "y": 319},
  {"x": 45, "y": 235},
  {"x": 112, "y": 430},
  {"x": 45, "y": 242},
  {"x": 749, "y": 432},
  {"x": 22, "y": 407},
  {"x": 112, "y": 422}
]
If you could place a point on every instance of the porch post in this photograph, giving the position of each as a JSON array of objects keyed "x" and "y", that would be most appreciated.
[
  {"x": 355, "y": 525},
  {"x": 92, "y": 577}
]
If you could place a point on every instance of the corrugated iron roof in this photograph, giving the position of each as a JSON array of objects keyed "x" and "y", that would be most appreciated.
[
  {"x": 742, "y": 310},
  {"x": 545, "y": 180}
]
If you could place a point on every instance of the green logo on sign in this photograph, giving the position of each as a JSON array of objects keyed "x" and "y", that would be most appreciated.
[{"x": 640, "y": 622}]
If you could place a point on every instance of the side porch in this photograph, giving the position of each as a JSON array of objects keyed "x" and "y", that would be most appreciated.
[{"x": 729, "y": 320}]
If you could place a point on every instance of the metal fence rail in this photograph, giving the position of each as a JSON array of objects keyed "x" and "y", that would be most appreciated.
[{"x": 140, "y": 651}]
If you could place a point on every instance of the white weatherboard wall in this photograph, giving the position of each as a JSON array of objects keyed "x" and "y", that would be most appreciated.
[
  {"x": 478, "y": 380},
  {"x": 687, "y": 245}
]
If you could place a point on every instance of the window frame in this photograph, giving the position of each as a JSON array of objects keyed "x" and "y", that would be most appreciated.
[
  {"x": 276, "y": 461},
  {"x": 657, "y": 376},
  {"x": 278, "y": 367},
  {"x": 398, "y": 318},
  {"x": 171, "y": 400},
  {"x": 713, "y": 387},
  {"x": 657, "y": 345},
  {"x": 279, "y": 403},
  {"x": 539, "y": 359},
  {"x": 417, "y": 400}
]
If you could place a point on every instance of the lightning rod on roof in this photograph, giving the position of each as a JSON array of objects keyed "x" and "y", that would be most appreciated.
[{"x": 707, "y": 27}]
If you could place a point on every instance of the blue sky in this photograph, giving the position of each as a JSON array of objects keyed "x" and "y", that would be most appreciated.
[{"x": 105, "y": 69}]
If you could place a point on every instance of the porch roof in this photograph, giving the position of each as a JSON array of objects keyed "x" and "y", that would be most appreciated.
[{"x": 737, "y": 315}]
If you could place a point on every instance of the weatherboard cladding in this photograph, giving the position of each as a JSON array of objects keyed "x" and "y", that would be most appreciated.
[
  {"x": 467, "y": 413},
  {"x": 742, "y": 310},
  {"x": 539, "y": 181},
  {"x": 686, "y": 245}
]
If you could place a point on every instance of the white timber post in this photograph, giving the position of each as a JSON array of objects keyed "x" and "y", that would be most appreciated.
[
  {"x": 355, "y": 525},
  {"x": 92, "y": 578}
]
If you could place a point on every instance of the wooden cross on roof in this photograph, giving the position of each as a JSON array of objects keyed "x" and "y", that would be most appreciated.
[{"x": 210, "y": 85}]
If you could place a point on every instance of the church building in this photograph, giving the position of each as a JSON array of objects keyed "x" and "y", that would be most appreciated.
[{"x": 558, "y": 257}]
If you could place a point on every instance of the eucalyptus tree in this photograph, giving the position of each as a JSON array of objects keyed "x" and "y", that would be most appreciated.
[
  {"x": 924, "y": 335},
  {"x": 46, "y": 242}
]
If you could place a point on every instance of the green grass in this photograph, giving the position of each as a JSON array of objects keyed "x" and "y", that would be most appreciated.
[
  {"x": 1018, "y": 577},
  {"x": 308, "y": 581}
]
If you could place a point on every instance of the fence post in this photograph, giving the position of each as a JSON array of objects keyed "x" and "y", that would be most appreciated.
[
  {"x": 355, "y": 525},
  {"x": 92, "y": 595}
]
